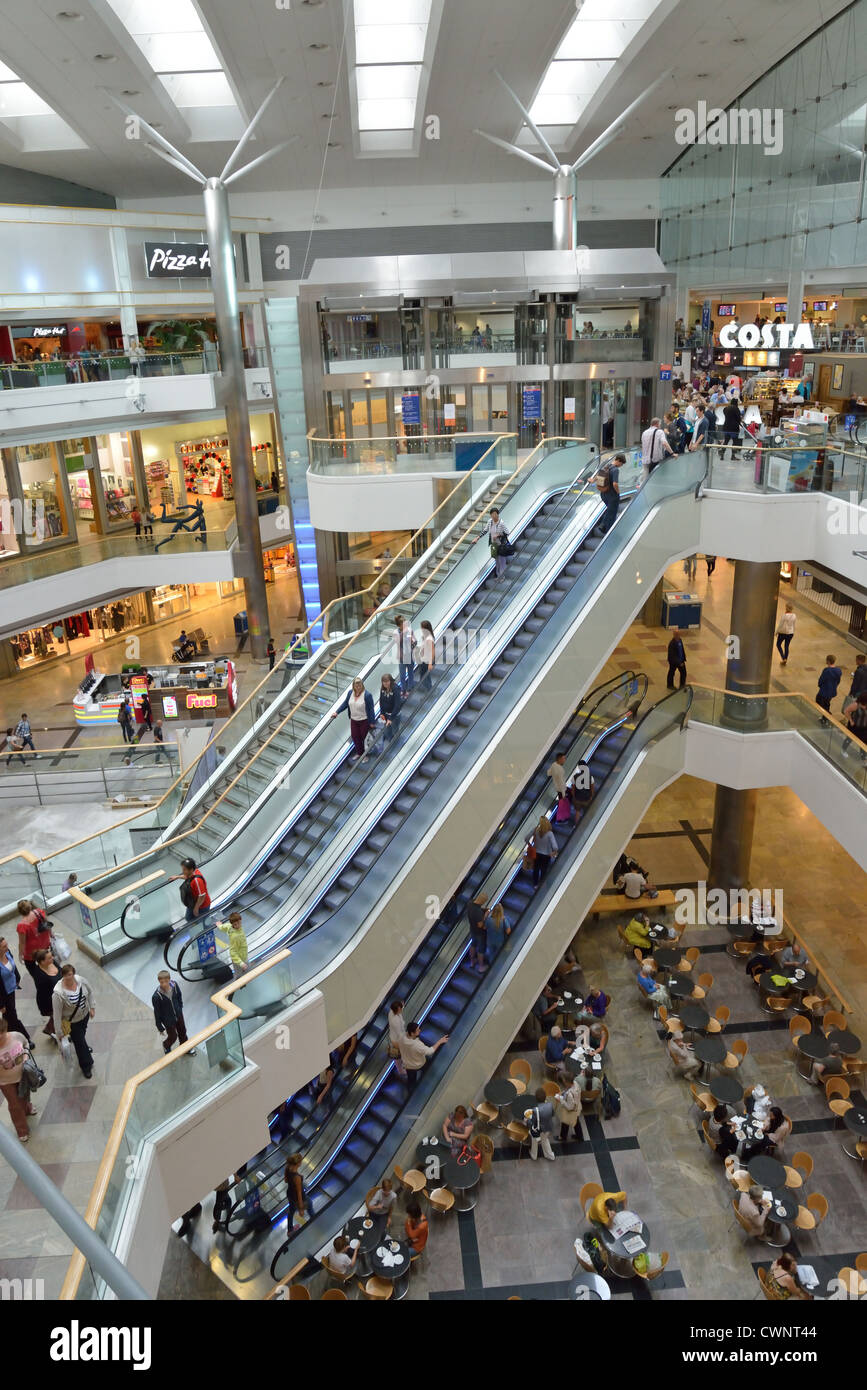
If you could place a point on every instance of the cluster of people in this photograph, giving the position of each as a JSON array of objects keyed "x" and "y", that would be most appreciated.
[
  {"x": 416, "y": 658},
  {"x": 18, "y": 737}
]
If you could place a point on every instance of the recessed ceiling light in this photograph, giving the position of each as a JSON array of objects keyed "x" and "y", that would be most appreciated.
[
  {"x": 105, "y": 57},
  {"x": 312, "y": 3},
  {"x": 130, "y": 92},
  {"x": 325, "y": 84},
  {"x": 69, "y": 14},
  {"x": 338, "y": 145},
  {"x": 319, "y": 47}
]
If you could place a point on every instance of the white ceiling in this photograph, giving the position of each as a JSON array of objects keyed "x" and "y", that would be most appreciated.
[{"x": 713, "y": 52}]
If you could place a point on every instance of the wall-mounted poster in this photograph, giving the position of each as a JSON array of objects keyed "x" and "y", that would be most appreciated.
[{"x": 837, "y": 377}]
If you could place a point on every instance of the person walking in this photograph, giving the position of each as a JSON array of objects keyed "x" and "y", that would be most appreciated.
[
  {"x": 732, "y": 417},
  {"x": 710, "y": 564},
  {"x": 222, "y": 1205},
  {"x": 13, "y": 1049},
  {"x": 194, "y": 890},
  {"x": 25, "y": 733},
  {"x": 414, "y": 1053},
  {"x": 168, "y": 1007},
  {"x": 147, "y": 715},
  {"x": 545, "y": 845},
  {"x": 829, "y": 679},
  {"x": 271, "y": 653},
  {"x": 477, "y": 915},
  {"x": 785, "y": 633},
  {"x": 690, "y": 566},
  {"x": 498, "y": 538},
  {"x": 608, "y": 482},
  {"x": 239, "y": 953},
  {"x": 135, "y": 517},
  {"x": 10, "y": 983},
  {"x": 15, "y": 747},
  {"x": 72, "y": 1009},
  {"x": 404, "y": 643},
  {"x": 362, "y": 715},
  {"x": 159, "y": 740},
  {"x": 34, "y": 934},
  {"x": 428, "y": 656},
  {"x": 390, "y": 701},
  {"x": 541, "y": 1124},
  {"x": 654, "y": 447},
  {"x": 676, "y": 661},
  {"x": 296, "y": 1197},
  {"x": 125, "y": 720},
  {"x": 46, "y": 980},
  {"x": 148, "y": 519}
]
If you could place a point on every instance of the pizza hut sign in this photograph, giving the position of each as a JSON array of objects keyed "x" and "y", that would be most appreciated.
[{"x": 172, "y": 260}]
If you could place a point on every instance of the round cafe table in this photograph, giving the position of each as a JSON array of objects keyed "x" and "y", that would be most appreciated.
[
  {"x": 528, "y": 1101},
  {"x": 667, "y": 957},
  {"x": 432, "y": 1152},
  {"x": 501, "y": 1092},
  {"x": 808, "y": 983},
  {"x": 619, "y": 1258},
  {"x": 695, "y": 1017},
  {"x": 589, "y": 1286},
  {"x": 462, "y": 1178},
  {"x": 847, "y": 1042},
  {"x": 767, "y": 1172},
  {"x": 767, "y": 986},
  {"x": 398, "y": 1273},
  {"x": 812, "y": 1046},
  {"x": 783, "y": 1207},
  {"x": 368, "y": 1238},
  {"x": 680, "y": 986},
  {"x": 855, "y": 1120},
  {"x": 709, "y": 1050},
  {"x": 725, "y": 1089}
]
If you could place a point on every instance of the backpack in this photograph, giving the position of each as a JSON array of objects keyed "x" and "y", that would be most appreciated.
[
  {"x": 188, "y": 896},
  {"x": 535, "y": 1125},
  {"x": 610, "y": 1100}
]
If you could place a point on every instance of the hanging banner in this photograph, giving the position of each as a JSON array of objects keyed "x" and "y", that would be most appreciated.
[
  {"x": 411, "y": 410},
  {"x": 449, "y": 414},
  {"x": 532, "y": 401}
]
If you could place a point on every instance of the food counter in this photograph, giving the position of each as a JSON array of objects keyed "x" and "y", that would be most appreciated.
[{"x": 195, "y": 690}]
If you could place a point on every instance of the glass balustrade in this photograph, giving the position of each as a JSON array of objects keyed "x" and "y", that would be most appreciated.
[
  {"x": 117, "y": 366},
  {"x": 768, "y": 469}
]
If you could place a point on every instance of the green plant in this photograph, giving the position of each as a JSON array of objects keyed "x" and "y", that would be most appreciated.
[{"x": 180, "y": 335}]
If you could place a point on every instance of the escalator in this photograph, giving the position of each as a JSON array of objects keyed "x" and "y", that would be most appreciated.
[
  {"x": 436, "y": 983},
  {"x": 284, "y": 869},
  {"x": 350, "y": 1151}
]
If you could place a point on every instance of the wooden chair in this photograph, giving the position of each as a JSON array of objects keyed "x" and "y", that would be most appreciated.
[
  {"x": 854, "y": 1066},
  {"x": 334, "y": 1296},
  {"x": 861, "y": 1264},
  {"x": 441, "y": 1201},
  {"x": 703, "y": 1099},
  {"x": 376, "y": 1288},
  {"x": 668, "y": 1021},
  {"x": 551, "y": 1089},
  {"x": 656, "y": 1272},
  {"x": 861, "y": 1150},
  {"x": 733, "y": 1059},
  {"x": 298, "y": 1293},
  {"x": 799, "y": 1170},
  {"x": 832, "y": 1019},
  {"x": 741, "y": 950},
  {"x": 739, "y": 1178},
  {"x": 486, "y": 1112},
  {"x": 778, "y": 1003},
  {"x": 813, "y": 1214},
  {"x": 704, "y": 986},
  {"x": 518, "y": 1134},
  {"x": 591, "y": 1100},
  {"x": 587, "y": 1193},
  {"x": 837, "y": 1096},
  {"x": 339, "y": 1278},
  {"x": 413, "y": 1181},
  {"x": 814, "y": 1003},
  {"x": 520, "y": 1073},
  {"x": 797, "y": 1026},
  {"x": 485, "y": 1144},
  {"x": 708, "y": 1137},
  {"x": 853, "y": 1282},
  {"x": 628, "y": 948},
  {"x": 768, "y": 1289},
  {"x": 719, "y": 1020},
  {"x": 368, "y": 1196},
  {"x": 692, "y": 956},
  {"x": 742, "y": 1222},
  {"x": 637, "y": 954},
  {"x": 548, "y": 1066}
]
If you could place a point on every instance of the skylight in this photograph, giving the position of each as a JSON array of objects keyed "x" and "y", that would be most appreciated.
[
  {"x": 599, "y": 34},
  {"x": 171, "y": 37},
  {"x": 390, "y": 41},
  {"x": 30, "y": 121}
]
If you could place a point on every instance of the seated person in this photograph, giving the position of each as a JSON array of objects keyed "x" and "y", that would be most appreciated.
[
  {"x": 568, "y": 965},
  {"x": 598, "y": 1040},
  {"x": 638, "y": 933},
  {"x": 415, "y": 1227},
  {"x": 603, "y": 1207},
  {"x": 457, "y": 1128},
  {"x": 339, "y": 1259},
  {"x": 656, "y": 993},
  {"x": 832, "y": 1065},
  {"x": 626, "y": 864},
  {"x": 783, "y": 1278},
  {"x": 383, "y": 1200},
  {"x": 590, "y": 1082},
  {"x": 685, "y": 1061},
  {"x": 546, "y": 1006},
  {"x": 556, "y": 1046},
  {"x": 595, "y": 1006},
  {"x": 634, "y": 885},
  {"x": 720, "y": 1116},
  {"x": 753, "y": 1209},
  {"x": 793, "y": 955},
  {"x": 777, "y": 1128},
  {"x": 727, "y": 1140}
]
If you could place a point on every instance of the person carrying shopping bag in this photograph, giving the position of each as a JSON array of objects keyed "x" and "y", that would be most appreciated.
[
  {"x": 72, "y": 1007},
  {"x": 498, "y": 539}
]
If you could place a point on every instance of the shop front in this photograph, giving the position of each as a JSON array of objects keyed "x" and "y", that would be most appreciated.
[{"x": 199, "y": 690}]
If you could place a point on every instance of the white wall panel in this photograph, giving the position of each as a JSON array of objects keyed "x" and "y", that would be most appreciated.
[{"x": 388, "y": 502}]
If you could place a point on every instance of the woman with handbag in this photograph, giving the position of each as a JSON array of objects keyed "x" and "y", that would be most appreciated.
[
  {"x": 13, "y": 1050},
  {"x": 545, "y": 845},
  {"x": 390, "y": 701},
  {"x": 34, "y": 934},
  {"x": 72, "y": 1006},
  {"x": 567, "y": 1107},
  {"x": 396, "y": 1031},
  {"x": 47, "y": 976},
  {"x": 498, "y": 539},
  {"x": 362, "y": 715}
]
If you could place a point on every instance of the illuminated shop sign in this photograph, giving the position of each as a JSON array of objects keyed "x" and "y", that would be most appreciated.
[
  {"x": 171, "y": 259},
  {"x": 201, "y": 702},
  {"x": 772, "y": 335}
]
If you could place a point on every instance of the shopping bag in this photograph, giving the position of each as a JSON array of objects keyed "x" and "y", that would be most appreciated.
[
  {"x": 60, "y": 947},
  {"x": 564, "y": 809}
]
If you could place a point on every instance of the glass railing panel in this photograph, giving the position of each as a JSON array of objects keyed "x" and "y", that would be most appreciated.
[
  {"x": 19, "y": 878},
  {"x": 776, "y": 468}
]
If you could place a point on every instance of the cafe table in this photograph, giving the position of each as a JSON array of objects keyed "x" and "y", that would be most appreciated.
[
  {"x": 768, "y": 985},
  {"x": 783, "y": 1207},
  {"x": 398, "y": 1272},
  {"x": 619, "y": 1258},
  {"x": 767, "y": 1172},
  {"x": 588, "y": 1286},
  {"x": 501, "y": 1092},
  {"x": 848, "y": 1043},
  {"x": 725, "y": 1089},
  {"x": 575, "y": 1064},
  {"x": 461, "y": 1178},
  {"x": 693, "y": 1016},
  {"x": 431, "y": 1154},
  {"x": 369, "y": 1232},
  {"x": 710, "y": 1050},
  {"x": 667, "y": 957},
  {"x": 855, "y": 1120},
  {"x": 680, "y": 986},
  {"x": 803, "y": 981},
  {"x": 812, "y": 1046},
  {"x": 572, "y": 1003}
]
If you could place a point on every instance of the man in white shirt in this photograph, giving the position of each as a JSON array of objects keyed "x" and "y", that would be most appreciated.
[
  {"x": 557, "y": 773},
  {"x": 633, "y": 884},
  {"x": 404, "y": 641},
  {"x": 654, "y": 446},
  {"x": 414, "y": 1053}
]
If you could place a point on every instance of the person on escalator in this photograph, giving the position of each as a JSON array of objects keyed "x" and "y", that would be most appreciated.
[
  {"x": 194, "y": 890},
  {"x": 498, "y": 540},
  {"x": 390, "y": 701},
  {"x": 545, "y": 844},
  {"x": 499, "y": 927},
  {"x": 582, "y": 788},
  {"x": 428, "y": 654},
  {"x": 404, "y": 643},
  {"x": 222, "y": 1204},
  {"x": 295, "y": 1194},
  {"x": 477, "y": 916},
  {"x": 414, "y": 1053},
  {"x": 608, "y": 482},
  {"x": 362, "y": 715},
  {"x": 239, "y": 953}
]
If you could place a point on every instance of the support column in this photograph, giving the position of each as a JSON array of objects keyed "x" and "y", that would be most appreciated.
[
  {"x": 651, "y": 613},
  {"x": 232, "y": 390},
  {"x": 748, "y": 672},
  {"x": 124, "y": 283}
]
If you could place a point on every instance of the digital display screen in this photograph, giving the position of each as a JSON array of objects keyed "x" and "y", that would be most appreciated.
[
  {"x": 727, "y": 310},
  {"x": 780, "y": 308},
  {"x": 819, "y": 306}
]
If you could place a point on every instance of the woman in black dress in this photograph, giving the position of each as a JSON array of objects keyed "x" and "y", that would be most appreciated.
[{"x": 45, "y": 978}]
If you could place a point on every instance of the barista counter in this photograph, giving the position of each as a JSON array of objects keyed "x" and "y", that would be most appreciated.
[{"x": 195, "y": 690}]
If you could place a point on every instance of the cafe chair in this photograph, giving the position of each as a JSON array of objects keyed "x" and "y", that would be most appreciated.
[
  {"x": 368, "y": 1197},
  {"x": 591, "y": 1100},
  {"x": 853, "y": 1066},
  {"x": 586, "y": 1195},
  {"x": 833, "y": 1020},
  {"x": 861, "y": 1151},
  {"x": 778, "y": 1003},
  {"x": 691, "y": 956},
  {"x": 705, "y": 983},
  {"x": 485, "y": 1145},
  {"x": 413, "y": 1181},
  {"x": 742, "y": 1221},
  {"x": 837, "y": 1096},
  {"x": 551, "y": 1089},
  {"x": 335, "y": 1274},
  {"x": 861, "y": 1264},
  {"x": 441, "y": 1201},
  {"x": 298, "y": 1293},
  {"x": 738, "y": 1178},
  {"x": 637, "y": 954},
  {"x": 814, "y": 1003},
  {"x": 771, "y": 1293},
  {"x": 654, "y": 1274},
  {"x": 708, "y": 1137},
  {"x": 520, "y": 1073},
  {"x": 799, "y": 1170},
  {"x": 703, "y": 1099},
  {"x": 797, "y": 1026},
  {"x": 334, "y": 1296},
  {"x": 627, "y": 945},
  {"x": 853, "y": 1282},
  {"x": 487, "y": 1112},
  {"x": 733, "y": 1059},
  {"x": 548, "y": 1066},
  {"x": 668, "y": 1021},
  {"x": 813, "y": 1214},
  {"x": 717, "y": 1023},
  {"x": 378, "y": 1289},
  {"x": 518, "y": 1134},
  {"x": 740, "y": 950}
]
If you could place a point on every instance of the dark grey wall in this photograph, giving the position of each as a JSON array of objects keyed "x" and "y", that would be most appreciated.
[
  {"x": 420, "y": 241},
  {"x": 23, "y": 186}
]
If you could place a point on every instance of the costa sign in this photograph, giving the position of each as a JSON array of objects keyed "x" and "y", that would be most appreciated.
[{"x": 772, "y": 335}]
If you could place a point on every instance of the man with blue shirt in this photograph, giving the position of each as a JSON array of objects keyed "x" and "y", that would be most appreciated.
[{"x": 829, "y": 679}]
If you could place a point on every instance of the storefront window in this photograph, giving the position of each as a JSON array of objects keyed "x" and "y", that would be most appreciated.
[
  {"x": 378, "y": 414},
  {"x": 500, "y": 409},
  {"x": 263, "y": 466},
  {"x": 207, "y": 470},
  {"x": 11, "y": 518},
  {"x": 44, "y": 511},
  {"x": 170, "y": 600},
  {"x": 116, "y": 473},
  {"x": 78, "y": 632}
]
